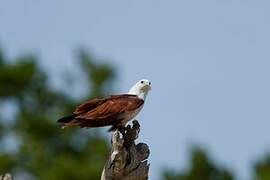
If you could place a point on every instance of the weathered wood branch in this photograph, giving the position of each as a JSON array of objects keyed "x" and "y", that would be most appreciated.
[
  {"x": 6, "y": 177},
  {"x": 127, "y": 160}
]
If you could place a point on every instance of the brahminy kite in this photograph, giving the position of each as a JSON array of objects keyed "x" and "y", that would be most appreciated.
[{"x": 114, "y": 110}]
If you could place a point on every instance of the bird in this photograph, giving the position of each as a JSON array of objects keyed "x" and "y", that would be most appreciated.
[{"x": 114, "y": 110}]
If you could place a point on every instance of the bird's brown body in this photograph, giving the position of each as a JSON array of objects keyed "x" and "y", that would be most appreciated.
[{"x": 113, "y": 111}]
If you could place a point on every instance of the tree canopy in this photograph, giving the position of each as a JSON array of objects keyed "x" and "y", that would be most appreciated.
[
  {"x": 201, "y": 167},
  {"x": 43, "y": 149}
]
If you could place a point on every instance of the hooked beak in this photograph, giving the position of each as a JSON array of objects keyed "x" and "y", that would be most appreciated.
[{"x": 147, "y": 88}]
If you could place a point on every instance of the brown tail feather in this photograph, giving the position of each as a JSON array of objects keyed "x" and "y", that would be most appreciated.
[{"x": 67, "y": 119}]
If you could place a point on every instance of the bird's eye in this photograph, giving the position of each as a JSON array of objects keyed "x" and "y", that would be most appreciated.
[
  {"x": 142, "y": 82},
  {"x": 149, "y": 83}
]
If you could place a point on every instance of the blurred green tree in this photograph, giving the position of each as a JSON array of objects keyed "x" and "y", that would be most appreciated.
[
  {"x": 43, "y": 150},
  {"x": 262, "y": 168},
  {"x": 201, "y": 168}
]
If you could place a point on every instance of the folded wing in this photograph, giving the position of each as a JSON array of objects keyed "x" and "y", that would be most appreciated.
[{"x": 107, "y": 111}]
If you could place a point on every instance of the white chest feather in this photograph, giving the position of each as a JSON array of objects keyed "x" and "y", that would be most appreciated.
[{"x": 131, "y": 115}]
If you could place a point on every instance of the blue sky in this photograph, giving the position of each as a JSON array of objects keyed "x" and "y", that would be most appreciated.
[{"x": 208, "y": 62}]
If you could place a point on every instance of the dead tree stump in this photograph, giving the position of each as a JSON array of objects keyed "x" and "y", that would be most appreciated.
[
  {"x": 6, "y": 177},
  {"x": 127, "y": 160}
]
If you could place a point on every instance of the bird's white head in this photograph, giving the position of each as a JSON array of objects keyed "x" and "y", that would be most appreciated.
[{"x": 141, "y": 88}]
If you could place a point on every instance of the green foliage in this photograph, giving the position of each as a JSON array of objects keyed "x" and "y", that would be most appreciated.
[
  {"x": 6, "y": 162},
  {"x": 45, "y": 151},
  {"x": 262, "y": 168},
  {"x": 17, "y": 77},
  {"x": 1, "y": 130},
  {"x": 99, "y": 73},
  {"x": 201, "y": 167}
]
